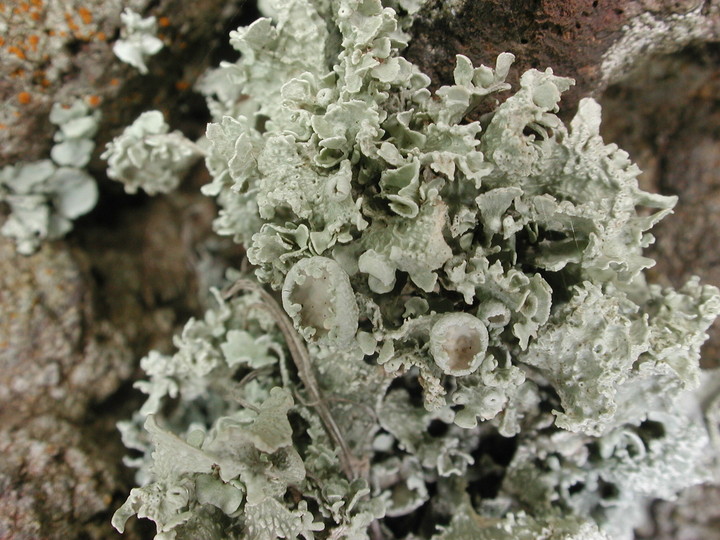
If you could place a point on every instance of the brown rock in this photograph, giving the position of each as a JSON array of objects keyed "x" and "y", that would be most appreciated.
[
  {"x": 61, "y": 51},
  {"x": 50, "y": 362},
  {"x": 594, "y": 41},
  {"x": 55, "y": 480},
  {"x": 667, "y": 116}
]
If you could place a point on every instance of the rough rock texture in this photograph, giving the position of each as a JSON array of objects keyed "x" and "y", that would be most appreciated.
[
  {"x": 667, "y": 115},
  {"x": 56, "y": 363},
  {"x": 76, "y": 317},
  {"x": 56, "y": 480},
  {"x": 595, "y": 41},
  {"x": 51, "y": 362},
  {"x": 53, "y": 51}
]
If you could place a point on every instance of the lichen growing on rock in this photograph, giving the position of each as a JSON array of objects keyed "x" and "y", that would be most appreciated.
[
  {"x": 45, "y": 196},
  {"x": 448, "y": 280}
]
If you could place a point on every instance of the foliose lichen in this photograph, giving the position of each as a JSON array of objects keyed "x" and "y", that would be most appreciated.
[
  {"x": 146, "y": 156},
  {"x": 445, "y": 282},
  {"x": 138, "y": 41},
  {"x": 45, "y": 196}
]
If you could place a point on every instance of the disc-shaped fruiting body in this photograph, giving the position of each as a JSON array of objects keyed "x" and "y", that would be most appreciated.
[
  {"x": 319, "y": 298},
  {"x": 458, "y": 342}
]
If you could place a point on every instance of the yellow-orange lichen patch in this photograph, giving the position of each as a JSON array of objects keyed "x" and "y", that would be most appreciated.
[
  {"x": 163, "y": 22},
  {"x": 37, "y": 3},
  {"x": 17, "y": 51},
  {"x": 94, "y": 101},
  {"x": 24, "y": 98},
  {"x": 182, "y": 85},
  {"x": 114, "y": 82},
  {"x": 72, "y": 25},
  {"x": 35, "y": 15},
  {"x": 2, "y": 41},
  {"x": 85, "y": 15},
  {"x": 39, "y": 79},
  {"x": 100, "y": 36},
  {"x": 33, "y": 41}
]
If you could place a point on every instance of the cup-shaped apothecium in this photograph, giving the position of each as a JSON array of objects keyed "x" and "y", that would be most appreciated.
[
  {"x": 319, "y": 298},
  {"x": 458, "y": 342}
]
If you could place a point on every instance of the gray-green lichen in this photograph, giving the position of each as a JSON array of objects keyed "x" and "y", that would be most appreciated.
[
  {"x": 146, "y": 156},
  {"x": 650, "y": 34},
  {"x": 441, "y": 282},
  {"x": 45, "y": 196},
  {"x": 138, "y": 40}
]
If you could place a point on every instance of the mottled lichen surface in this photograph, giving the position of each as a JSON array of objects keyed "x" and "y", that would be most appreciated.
[{"x": 74, "y": 316}]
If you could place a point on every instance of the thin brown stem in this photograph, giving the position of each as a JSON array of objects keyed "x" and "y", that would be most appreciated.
[{"x": 301, "y": 358}]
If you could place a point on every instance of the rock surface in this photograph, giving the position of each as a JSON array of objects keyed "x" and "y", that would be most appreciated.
[
  {"x": 61, "y": 51},
  {"x": 597, "y": 42},
  {"x": 77, "y": 316},
  {"x": 667, "y": 116}
]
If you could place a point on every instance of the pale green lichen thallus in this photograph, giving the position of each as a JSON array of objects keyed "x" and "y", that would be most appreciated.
[{"x": 449, "y": 285}]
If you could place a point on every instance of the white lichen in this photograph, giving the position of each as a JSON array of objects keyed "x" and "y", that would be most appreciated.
[
  {"x": 446, "y": 282},
  {"x": 319, "y": 298},
  {"x": 147, "y": 157},
  {"x": 649, "y": 34},
  {"x": 138, "y": 41},
  {"x": 45, "y": 196}
]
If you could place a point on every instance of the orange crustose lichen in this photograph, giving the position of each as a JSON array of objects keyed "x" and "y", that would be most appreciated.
[
  {"x": 85, "y": 15},
  {"x": 17, "y": 51}
]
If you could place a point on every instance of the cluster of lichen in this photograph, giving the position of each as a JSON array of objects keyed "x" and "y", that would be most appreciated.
[
  {"x": 443, "y": 282},
  {"x": 45, "y": 196}
]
